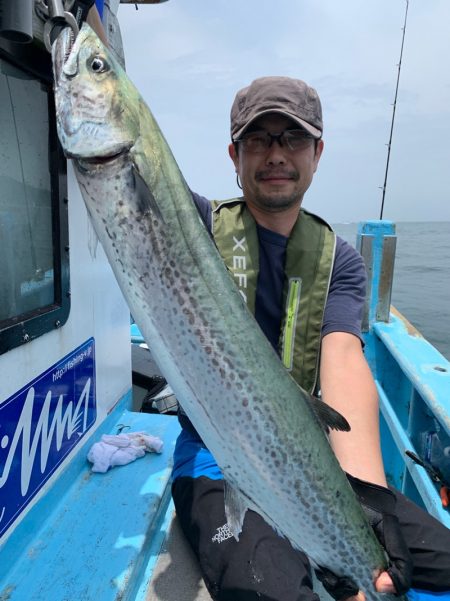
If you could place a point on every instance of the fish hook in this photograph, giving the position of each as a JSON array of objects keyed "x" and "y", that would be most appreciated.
[{"x": 55, "y": 15}]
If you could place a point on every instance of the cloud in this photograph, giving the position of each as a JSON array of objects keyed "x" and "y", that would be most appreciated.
[{"x": 188, "y": 59}]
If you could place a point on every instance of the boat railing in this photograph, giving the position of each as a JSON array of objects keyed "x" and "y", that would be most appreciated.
[{"x": 413, "y": 382}]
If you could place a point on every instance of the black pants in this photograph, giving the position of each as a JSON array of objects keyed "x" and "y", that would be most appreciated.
[{"x": 263, "y": 566}]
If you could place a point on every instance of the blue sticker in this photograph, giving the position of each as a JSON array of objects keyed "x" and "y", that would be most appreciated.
[{"x": 41, "y": 424}]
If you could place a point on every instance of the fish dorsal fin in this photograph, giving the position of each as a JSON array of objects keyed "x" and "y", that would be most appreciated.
[
  {"x": 328, "y": 417},
  {"x": 235, "y": 509}
]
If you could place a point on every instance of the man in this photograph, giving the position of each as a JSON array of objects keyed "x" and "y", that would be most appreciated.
[
  {"x": 93, "y": 18},
  {"x": 276, "y": 130},
  {"x": 88, "y": 11}
]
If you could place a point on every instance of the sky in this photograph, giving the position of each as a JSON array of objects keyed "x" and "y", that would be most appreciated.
[{"x": 188, "y": 58}]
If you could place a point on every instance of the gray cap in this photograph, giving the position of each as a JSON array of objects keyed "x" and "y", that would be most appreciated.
[{"x": 290, "y": 97}]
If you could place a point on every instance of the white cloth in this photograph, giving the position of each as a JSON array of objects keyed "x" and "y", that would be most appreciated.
[{"x": 120, "y": 449}]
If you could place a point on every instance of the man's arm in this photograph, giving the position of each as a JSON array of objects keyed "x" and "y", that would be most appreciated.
[
  {"x": 347, "y": 386},
  {"x": 94, "y": 21},
  {"x": 85, "y": 10}
]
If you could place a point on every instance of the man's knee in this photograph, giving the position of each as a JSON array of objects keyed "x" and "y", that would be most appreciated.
[{"x": 261, "y": 565}]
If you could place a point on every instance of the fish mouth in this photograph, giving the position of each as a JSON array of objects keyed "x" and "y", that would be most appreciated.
[
  {"x": 93, "y": 163},
  {"x": 61, "y": 50}
]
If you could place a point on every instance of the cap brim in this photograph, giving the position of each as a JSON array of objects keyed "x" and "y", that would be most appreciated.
[{"x": 316, "y": 133}]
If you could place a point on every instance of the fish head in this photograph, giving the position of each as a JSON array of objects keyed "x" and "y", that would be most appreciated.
[{"x": 97, "y": 118}]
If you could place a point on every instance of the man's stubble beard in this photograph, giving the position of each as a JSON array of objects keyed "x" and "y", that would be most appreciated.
[{"x": 274, "y": 204}]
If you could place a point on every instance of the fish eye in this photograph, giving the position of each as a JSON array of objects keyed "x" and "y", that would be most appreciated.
[{"x": 99, "y": 65}]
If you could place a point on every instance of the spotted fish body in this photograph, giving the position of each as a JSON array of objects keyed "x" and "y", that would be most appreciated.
[{"x": 254, "y": 418}]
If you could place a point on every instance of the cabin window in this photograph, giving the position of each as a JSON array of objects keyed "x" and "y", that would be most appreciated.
[{"x": 34, "y": 286}]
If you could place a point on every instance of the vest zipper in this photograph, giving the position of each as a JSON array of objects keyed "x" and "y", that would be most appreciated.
[{"x": 293, "y": 302}]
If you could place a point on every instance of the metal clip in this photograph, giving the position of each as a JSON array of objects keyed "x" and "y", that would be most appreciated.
[
  {"x": 52, "y": 11},
  {"x": 436, "y": 476},
  {"x": 122, "y": 427}
]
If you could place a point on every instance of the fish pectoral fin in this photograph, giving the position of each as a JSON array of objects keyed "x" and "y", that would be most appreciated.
[
  {"x": 329, "y": 417},
  {"x": 235, "y": 508},
  {"x": 145, "y": 199}
]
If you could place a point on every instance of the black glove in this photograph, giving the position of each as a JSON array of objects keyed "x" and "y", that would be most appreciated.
[
  {"x": 339, "y": 587},
  {"x": 379, "y": 506},
  {"x": 80, "y": 10}
]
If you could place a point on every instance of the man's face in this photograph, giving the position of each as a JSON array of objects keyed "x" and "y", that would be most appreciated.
[{"x": 276, "y": 179}]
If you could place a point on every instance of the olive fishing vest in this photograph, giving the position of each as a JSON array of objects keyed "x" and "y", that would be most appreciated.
[{"x": 308, "y": 267}]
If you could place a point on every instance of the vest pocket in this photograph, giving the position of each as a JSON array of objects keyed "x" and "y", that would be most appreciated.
[{"x": 292, "y": 305}]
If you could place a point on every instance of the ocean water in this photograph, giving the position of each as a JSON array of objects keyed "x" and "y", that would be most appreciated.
[{"x": 421, "y": 289}]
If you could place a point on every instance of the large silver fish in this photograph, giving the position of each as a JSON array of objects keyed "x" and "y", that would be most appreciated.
[{"x": 255, "y": 419}]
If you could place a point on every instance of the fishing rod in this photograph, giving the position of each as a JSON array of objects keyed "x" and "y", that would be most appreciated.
[{"x": 393, "y": 112}]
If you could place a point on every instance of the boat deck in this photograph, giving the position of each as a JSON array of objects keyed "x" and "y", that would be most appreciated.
[
  {"x": 114, "y": 536},
  {"x": 95, "y": 535},
  {"x": 176, "y": 574}
]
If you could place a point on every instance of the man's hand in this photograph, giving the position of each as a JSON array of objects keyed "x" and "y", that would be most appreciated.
[
  {"x": 378, "y": 503},
  {"x": 85, "y": 10},
  {"x": 383, "y": 584},
  {"x": 344, "y": 589},
  {"x": 80, "y": 10},
  {"x": 379, "y": 506},
  {"x": 340, "y": 588}
]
